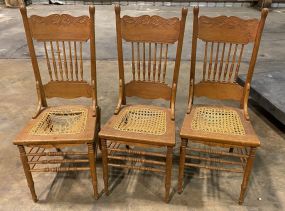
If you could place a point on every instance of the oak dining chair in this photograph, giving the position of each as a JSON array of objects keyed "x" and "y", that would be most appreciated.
[
  {"x": 221, "y": 137},
  {"x": 53, "y": 139},
  {"x": 137, "y": 126}
]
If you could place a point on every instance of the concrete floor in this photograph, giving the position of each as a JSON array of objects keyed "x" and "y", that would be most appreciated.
[{"x": 133, "y": 190}]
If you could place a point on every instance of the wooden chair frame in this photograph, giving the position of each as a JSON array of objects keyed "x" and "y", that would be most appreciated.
[
  {"x": 219, "y": 82},
  {"x": 60, "y": 31},
  {"x": 148, "y": 82}
]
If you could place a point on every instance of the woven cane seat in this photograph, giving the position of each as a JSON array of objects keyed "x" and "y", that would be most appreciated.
[
  {"x": 61, "y": 123},
  {"x": 58, "y": 121},
  {"x": 222, "y": 124},
  {"x": 217, "y": 120},
  {"x": 141, "y": 123},
  {"x": 142, "y": 120}
]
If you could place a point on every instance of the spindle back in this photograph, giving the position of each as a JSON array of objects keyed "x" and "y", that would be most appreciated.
[
  {"x": 62, "y": 37},
  {"x": 224, "y": 40},
  {"x": 149, "y": 38}
]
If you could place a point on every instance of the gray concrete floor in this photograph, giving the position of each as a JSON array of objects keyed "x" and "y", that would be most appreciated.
[{"x": 133, "y": 190}]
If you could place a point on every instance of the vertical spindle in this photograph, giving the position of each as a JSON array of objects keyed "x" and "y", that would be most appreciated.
[
  {"x": 210, "y": 62},
  {"x": 149, "y": 60},
  {"x": 233, "y": 63},
  {"x": 144, "y": 61},
  {"x": 81, "y": 62},
  {"x": 227, "y": 62},
  {"x": 222, "y": 62},
  {"x": 239, "y": 61},
  {"x": 138, "y": 61},
  {"x": 216, "y": 61},
  {"x": 65, "y": 61},
  {"x": 70, "y": 60},
  {"x": 53, "y": 61},
  {"x": 133, "y": 62},
  {"x": 165, "y": 63},
  {"x": 59, "y": 60},
  {"x": 159, "y": 65},
  {"x": 154, "y": 61},
  {"x": 48, "y": 62},
  {"x": 76, "y": 61},
  {"x": 205, "y": 60}
]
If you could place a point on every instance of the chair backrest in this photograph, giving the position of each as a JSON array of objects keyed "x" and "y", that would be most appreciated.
[
  {"x": 224, "y": 39},
  {"x": 149, "y": 38},
  {"x": 62, "y": 38}
]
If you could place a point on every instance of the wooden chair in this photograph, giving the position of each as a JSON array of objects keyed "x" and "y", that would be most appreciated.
[
  {"x": 144, "y": 125},
  {"x": 62, "y": 37},
  {"x": 212, "y": 129}
]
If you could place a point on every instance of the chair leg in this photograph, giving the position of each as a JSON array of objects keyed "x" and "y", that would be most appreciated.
[
  {"x": 182, "y": 164},
  {"x": 28, "y": 174},
  {"x": 168, "y": 170},
  {"x": 92, "y": 161},
  {"x": 246, "y": 174},
  {"x": 105, "y": 165},
  {"x": 99, "y": 127}
]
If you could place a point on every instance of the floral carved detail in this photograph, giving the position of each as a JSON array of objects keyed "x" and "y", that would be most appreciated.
[
  {"x": 155, "y": 20},
  {"x": 228, "y": 29},
  {"x": 228, "y": 22},
  {"x": 57, "y": 19}
]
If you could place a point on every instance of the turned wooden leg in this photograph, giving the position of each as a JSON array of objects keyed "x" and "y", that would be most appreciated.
[
  {"x": 168, "y": 170},
  {"x": 181, "y": 164},
  {"x": 28, "y": 174},
  {"x": 105, "y": 165},
  {"x": 246, "y": 174},
  {"x": 92, "y": 161},
  {"x": 100, "y": 147},
  {"x": 98, "y": 118}
]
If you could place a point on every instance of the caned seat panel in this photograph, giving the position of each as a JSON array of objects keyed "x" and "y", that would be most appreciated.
[
  {"x": 69, "y": 124},
  {"x": 225, "y": 125},
  {"x": 141, "y": 124}
]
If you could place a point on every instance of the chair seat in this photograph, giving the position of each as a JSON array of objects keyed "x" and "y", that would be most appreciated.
[
  {"x": 60, "y": 125},
  {"x": 141, "y": 124},
  {"x": 218, "y": 124}
]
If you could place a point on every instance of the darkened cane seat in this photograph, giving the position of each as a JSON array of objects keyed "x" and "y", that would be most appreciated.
[{"x": 70, "y": 124}]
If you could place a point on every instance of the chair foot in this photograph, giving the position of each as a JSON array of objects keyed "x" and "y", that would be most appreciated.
[
  {"x": 105, "y": 165},
  {"x": 182, "y": 164},
  {"x": 92, "y": 160},
  {"x": 35, "y": 200},
  {"x": 168, "y": 170},
  {"x": 246, "y": 175}
]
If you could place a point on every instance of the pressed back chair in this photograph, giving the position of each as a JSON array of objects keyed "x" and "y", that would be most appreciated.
[
  {"x": 145, "y": 126},
  {"x": 210, "y": 129},
  {"x": 53, "y": 127}
]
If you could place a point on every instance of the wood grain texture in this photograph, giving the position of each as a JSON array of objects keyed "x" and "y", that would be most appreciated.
[
  {"x": 230, "y": 35},
  {"x": 221, "y": 91},
  {"x": 87, "y": 136},
  {"x": 150, "y": 29},
  {"x": 108, "y": 131},
  {"x": 144, "y": 89},
  {"x": 150, "y": 33},
  {"x": 59, "y": 27},
  {"x": 53, "y": 30},
  {"x": 227, "y": 29},
  {"x": 68, "y": 89}
]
